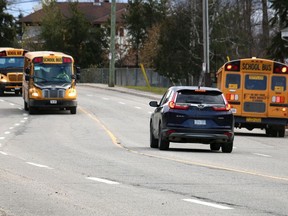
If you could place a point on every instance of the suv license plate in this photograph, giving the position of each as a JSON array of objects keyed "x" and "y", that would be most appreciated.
[
  {"x": 53, "y": 101},
  {"x": 200, "y": 122}
]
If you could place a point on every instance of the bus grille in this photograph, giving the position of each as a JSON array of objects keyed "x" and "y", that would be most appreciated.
[
  {"x": 15, "y": 77},
  {"x": 56, "y": 93}
]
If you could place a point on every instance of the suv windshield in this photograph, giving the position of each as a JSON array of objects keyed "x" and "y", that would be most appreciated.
[{"x": 207, "y": 97}]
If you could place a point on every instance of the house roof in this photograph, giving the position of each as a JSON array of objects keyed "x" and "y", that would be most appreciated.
[{"x": 95, "y": 12}]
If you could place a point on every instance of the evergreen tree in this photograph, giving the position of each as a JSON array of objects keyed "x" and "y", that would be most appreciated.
[
  {"x": 7, "y": 26},
  {"x": 278, "y": 50}
]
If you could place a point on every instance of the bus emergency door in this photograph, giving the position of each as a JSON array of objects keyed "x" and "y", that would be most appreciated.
[{"x": 255, "y": 96}]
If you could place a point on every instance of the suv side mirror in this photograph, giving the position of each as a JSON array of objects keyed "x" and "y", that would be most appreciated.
[{"x": 153, "y": 104}]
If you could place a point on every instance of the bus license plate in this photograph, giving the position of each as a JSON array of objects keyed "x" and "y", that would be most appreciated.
[
  {"x": 200, "y": 122},
  {"x": 53, "y": 101},
  {"x": 253, "y": 119}
]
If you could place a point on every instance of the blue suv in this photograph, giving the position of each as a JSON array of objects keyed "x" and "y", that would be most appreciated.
[{"x": 191, "y": 114}]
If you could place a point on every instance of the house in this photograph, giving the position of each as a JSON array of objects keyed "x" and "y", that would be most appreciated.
[{"x": 97, "y": 13}]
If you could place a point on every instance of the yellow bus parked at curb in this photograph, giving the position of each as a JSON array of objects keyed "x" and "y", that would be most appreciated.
[
  {"x": 49, "y": 81},
  {"x": 257, "y": 90},
  {"x": 11, "y": 69}
]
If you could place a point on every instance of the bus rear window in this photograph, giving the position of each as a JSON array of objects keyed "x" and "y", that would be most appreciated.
[
  {"x": 233, "y": 81},
  {"x": 278, "y": 83},
  {"x": 255, "y": 82}
]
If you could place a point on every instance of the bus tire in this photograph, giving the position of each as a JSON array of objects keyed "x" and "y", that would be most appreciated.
[
  {"x": 73, "y": 110},
  {"x": 281, "y": 131},
  {"x": 25, "y": 106},
  {"x": 32, "y": 110}
]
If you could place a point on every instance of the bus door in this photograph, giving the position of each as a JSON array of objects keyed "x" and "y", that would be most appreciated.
[{"x": 255, "y": 96}]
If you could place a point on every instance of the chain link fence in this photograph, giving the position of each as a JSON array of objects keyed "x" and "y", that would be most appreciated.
[{"x": 124, "y": 77}]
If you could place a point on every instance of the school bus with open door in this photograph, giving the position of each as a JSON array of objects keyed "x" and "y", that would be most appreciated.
[
  {"x": 257, "y": 91},
  {"x": 49, "y": 81},
  {"x": 11, "y": 69}
]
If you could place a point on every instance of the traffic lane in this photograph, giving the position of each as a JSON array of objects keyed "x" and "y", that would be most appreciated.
[
  {"x": 127, "y": 116},
  {"x": 140, "y": 171},
  {"x": 40, "y": 147}
]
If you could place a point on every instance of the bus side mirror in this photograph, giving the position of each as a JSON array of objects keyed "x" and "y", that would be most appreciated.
[
  {"x": 27, "y": 77},
  {"x": 78, "y": 73},
  {"x": 27, "y": 70}
]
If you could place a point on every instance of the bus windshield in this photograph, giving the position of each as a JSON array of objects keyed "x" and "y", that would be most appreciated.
[
  {"x": 11, "y": 62},
  {"x": 52, "y": 73}
]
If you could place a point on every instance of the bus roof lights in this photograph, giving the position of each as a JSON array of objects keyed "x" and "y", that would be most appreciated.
[
  {"x": 233, "y": 66},
  {"x": 67, "y": 60},
  {"x": 3, "y": 53},
  {"x": 284, "y": 69},
  {"x": 38, "y": 60}
]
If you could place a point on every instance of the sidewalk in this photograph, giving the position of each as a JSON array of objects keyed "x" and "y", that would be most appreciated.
[{"x": 121, "y": 89}]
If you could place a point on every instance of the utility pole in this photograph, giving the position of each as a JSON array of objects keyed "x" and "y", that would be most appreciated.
[
  {"x": 112, "y": 45},
  {"x": 206, "y": 62}
]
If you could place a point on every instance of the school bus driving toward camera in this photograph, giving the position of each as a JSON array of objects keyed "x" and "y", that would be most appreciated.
[
  {"x": 49, "y": 81},
  {"x": 11, "y": 69},
  {"x": 257, "y": 91}
]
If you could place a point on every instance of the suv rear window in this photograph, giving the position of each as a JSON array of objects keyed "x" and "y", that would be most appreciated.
[{"x": 205, "y": 97}]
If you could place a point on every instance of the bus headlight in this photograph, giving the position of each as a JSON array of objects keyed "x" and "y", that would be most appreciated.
[
  {"x": 34, "y": 92},
  {"x": 3, "y": 79},
  {"x": 72, "y": 92}
]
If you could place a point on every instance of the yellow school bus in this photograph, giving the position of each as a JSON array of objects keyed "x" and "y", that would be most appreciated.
[
  {"x": 257, "y": 91},
  {"x": 11, "y": 69},
  {"x": 49, "y": 81}
]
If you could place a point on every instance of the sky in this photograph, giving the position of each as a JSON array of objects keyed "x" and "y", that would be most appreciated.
[{"x": 15, "y": 7}]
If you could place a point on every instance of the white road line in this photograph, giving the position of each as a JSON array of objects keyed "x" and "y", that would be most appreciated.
[
  {"x": 17, "y": 124},
  {"x": 104, "y": 98},
  {"x": 7, "y": 132},
  {"x": 10, "y": 128},
  {"x": 121, "y": 103},
  {"x": 3, "y": 153},
  {"x": 39, "y": 165},
  {"x": 102, "y": 180},
  {"x": 263, "y": 155},
  {"x": 12, "y": 104},
  {"x": 138, "y": 107},
  {"x": 207, "y": 204},
  {"x": 2, "y": 138}
]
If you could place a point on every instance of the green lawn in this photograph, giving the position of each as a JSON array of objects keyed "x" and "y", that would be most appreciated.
[{"x": 155, "y": 90}]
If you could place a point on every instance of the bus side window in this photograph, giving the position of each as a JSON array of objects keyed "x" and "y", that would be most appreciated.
[{"x": 233, "y": 81}]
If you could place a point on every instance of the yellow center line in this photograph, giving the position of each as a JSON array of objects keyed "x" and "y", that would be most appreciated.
[{"x": 118, "y": 144}]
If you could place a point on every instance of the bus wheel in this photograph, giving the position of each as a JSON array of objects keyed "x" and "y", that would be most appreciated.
[
  {"x": 32, "y": 110},
  {"x": 25, "y": 106},
  {"x": 281, "y": 131},
  {"x": 73, "y": 110}
]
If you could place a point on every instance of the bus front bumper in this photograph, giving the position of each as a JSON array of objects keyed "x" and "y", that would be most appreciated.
[{"x": 52, "y": 103}]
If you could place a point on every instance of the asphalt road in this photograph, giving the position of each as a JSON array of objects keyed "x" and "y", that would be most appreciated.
[{"x": 98, "y": 162}]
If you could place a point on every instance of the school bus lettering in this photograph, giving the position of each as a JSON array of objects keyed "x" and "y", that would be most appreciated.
[
  {"x": 14, "y": 53},
  {"x": 266, "y": 67},
  {"x": 257, "y": 97},
  {"x": 52, "y": 60},
  {"x": 247, "y": 66}
]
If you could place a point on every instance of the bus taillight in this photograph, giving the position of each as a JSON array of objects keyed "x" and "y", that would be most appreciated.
[
  {"x": 233, "y": 66},
  {"x": 280, "y": 68},
  {"x": 232, "y": 97},
  {"x": 278, "y": 99}
]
